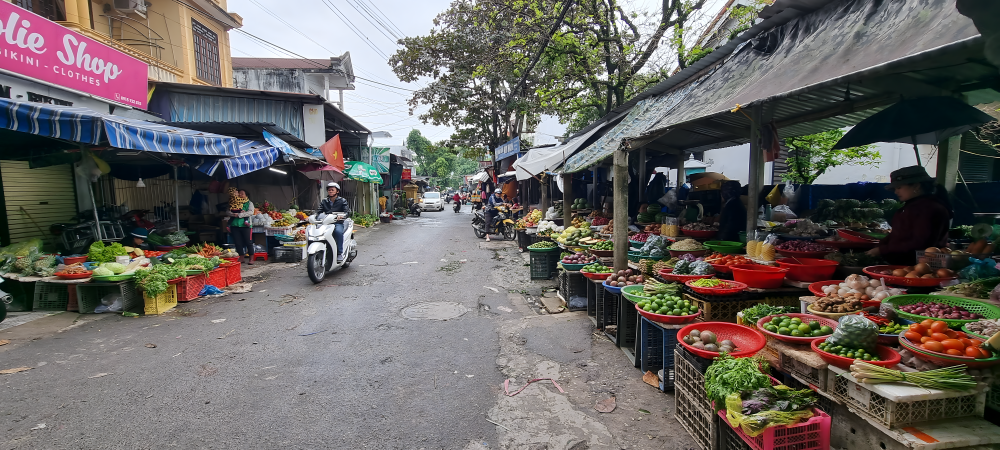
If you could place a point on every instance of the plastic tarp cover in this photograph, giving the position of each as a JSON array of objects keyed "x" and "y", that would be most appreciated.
[
  {"x": 544, "y": 159},
  {"x": 645, "y": 113},
  {"x": 843, "y": 38}
]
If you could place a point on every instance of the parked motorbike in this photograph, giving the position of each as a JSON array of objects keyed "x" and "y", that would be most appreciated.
[
  {"x": 415, "y": 209},
  {"x": 321, "y": 253},
  {"x": 502, "y": 225},
  {"x": 458, "y": 206}
]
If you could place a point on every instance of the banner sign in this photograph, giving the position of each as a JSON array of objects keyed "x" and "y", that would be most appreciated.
[
  {"x": 407, "y": 174},
  {"x": 380, "y": 159},
  {"x": 509, "y": 148},
  {"x": 485, "y": 164},
  {"x": 39, "y": 48}
]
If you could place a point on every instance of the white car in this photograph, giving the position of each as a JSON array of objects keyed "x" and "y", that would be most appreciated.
[{"x": 432, "y": 200}]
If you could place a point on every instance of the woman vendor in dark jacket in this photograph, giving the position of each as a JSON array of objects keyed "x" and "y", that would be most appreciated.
[
  {"x": 733, "y": 217},
  {"x": 922, "y": 222}
]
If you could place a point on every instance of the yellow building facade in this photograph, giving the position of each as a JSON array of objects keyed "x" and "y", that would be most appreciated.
[{"x": 183, "y": 41}]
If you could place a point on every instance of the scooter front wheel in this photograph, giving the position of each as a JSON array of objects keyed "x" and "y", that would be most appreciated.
[{"x": 316, "y": 267}]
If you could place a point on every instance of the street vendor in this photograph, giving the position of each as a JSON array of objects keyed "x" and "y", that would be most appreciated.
[
  {"x": 922, "y": 222},
  {"x": 733, "y": 217},
  {"x": 137, "y": 239}
]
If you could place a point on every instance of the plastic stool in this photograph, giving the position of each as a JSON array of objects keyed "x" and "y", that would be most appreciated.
[{"x": 259, "y": 255}]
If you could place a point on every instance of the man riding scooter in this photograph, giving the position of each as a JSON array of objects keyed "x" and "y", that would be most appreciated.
[
  {"x": 334, "y": 203},
  {"x": 457, "y": 198}
]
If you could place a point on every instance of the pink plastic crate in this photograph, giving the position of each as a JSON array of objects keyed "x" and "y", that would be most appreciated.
[{"x": 813, "y": 434}]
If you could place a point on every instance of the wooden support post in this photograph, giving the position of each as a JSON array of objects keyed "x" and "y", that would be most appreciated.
[
  {"x": 643, "y": 177},
  {"x": 620, "y": 237},
  {"x": 679, "y": 163},
  {"x": 567, "y": 199},
  {"x": 947, "y": 162},
  {"x": 756, "y": 170},
  {"x": 543, "y": 180}
]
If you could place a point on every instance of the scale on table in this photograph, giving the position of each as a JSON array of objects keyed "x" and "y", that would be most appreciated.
[
  {"x": 985, "y": 227},
  {"x": 693, "y": 211}
]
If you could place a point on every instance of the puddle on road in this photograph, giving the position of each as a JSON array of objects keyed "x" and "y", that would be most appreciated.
[{"x": 434, "y": 311}]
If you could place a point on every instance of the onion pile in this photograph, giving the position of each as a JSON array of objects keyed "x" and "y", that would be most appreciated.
[
  {"x": 940, "y": 311},
  {"x": 863, "y": 286}
]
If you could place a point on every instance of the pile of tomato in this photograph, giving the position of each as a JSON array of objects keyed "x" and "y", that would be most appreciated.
[
  {"x": 934, "y": 335},
  {"x": 727, "y": 260}
]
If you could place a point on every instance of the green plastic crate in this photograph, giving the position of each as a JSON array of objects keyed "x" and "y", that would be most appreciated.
[
  {"x": 973, "y": 306},
  {"x": 51, "y": 296}
]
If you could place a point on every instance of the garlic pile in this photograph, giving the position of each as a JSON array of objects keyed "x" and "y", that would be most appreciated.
[{"x": 860, "y": 284}]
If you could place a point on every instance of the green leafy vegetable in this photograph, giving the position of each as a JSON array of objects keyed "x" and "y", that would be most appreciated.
[{"x": 728, "y": 375}]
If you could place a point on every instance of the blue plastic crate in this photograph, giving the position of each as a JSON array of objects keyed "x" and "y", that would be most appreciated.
[{"x": 657, "y": 350}]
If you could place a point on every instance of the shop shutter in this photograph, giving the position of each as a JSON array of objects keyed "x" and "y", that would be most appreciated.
[
  {"x": 976, "y": 168},
  {"x": 47, "y": 194}
]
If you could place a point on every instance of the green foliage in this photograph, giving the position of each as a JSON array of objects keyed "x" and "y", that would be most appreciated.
[
  {"x": 811, "y": 156},
  {"x": 602, "y": 53}
]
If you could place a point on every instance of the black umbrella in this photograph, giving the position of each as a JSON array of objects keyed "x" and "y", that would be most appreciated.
[{"x": 925, "y": 120}]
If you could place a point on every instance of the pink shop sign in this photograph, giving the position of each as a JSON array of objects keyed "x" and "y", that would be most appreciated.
[{"x": 36, "y": 47}]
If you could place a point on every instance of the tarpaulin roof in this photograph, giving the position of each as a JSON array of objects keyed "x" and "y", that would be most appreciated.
[
  {"x": 86, "y": 125},
  {"x": 826, "y": 59},
  {"x": 539, "y": 160},
  {"x": 843, "y": 38},
  {"x": 254, "y": 155},
  {"x": 638, "y": 120}
]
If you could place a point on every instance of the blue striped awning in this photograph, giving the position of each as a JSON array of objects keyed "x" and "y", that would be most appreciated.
[
  {"x": 254, "y": 155},
  {"x": 86, "y": 126},
  {"x": 279, "y": 143}
]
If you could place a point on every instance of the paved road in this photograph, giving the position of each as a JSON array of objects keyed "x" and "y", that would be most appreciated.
[{"x": 337, "y": 365}]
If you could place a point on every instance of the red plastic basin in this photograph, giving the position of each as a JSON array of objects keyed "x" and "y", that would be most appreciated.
[
  {"x": 759, "y": 277},
  {"x": 808, "y": 269}
]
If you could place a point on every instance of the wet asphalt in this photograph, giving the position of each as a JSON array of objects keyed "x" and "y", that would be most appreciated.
[{"x": 289, "y": 364}]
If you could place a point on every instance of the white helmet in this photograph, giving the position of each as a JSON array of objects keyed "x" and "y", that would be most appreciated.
[{"x": 333, "y": 185}]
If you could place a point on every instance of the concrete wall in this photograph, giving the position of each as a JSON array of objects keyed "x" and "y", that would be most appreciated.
[{"x": 279, "y": 80}]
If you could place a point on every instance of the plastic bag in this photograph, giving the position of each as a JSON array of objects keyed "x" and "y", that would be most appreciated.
[
  {"x": 577, "y": 303},
  {"x": 210, "y": 290},
  {"x": 754, "y": 425},
  {"x": 109, "y": 303},
  {"x": 669, "y": 199},
  {"x": 671, "y": 227},
  {"x": 979, "y": 268},
  {"x": 856, "y": 332},
  {"x": 789, "y": 194},
  {"x": 767, "y": 249},
  {"x": 783, "y": 210}
]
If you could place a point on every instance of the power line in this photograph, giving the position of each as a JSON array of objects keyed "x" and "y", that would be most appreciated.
[
  {"x": 378, "y": 19},
  {"x": 365, "y": 16},
  {"x": 401, "y": 33},
  {"x": 340, "y": 15},
  {"x": 272, "y": 14}
]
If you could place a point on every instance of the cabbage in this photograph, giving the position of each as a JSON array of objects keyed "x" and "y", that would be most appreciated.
[
  {"x": 103, "y": 272},
  {"x": 114, "y": 267}
]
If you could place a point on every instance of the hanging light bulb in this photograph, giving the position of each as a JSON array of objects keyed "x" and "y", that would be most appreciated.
[{"x": 140, "y": 184}]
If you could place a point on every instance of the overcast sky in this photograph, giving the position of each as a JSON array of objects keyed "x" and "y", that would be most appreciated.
[{"x": 378, "y": 107}]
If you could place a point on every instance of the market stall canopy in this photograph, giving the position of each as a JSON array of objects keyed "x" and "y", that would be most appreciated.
[
  {"x": 357, "y": 170},
  {"x": 290, "y": 145},
  {"x": 540, "y": 160},
  {"x": 254, "y": 155},
  {"x": 480, "y": 177},
  {"x": 824, "y": 70},
  {"x": 323, "y": 172},
  {"x": 705, "y": 178},
  {"x": 91, "y": 127}
]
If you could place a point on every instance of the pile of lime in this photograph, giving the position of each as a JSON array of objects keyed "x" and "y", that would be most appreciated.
[
  {"x": 667, "y": 305},
  {"x": 793, "y": 326},
  {"x": 847, "y": 352}
]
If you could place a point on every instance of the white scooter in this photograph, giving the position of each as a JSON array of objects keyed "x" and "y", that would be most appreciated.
[{"x": 321, "y": 253}]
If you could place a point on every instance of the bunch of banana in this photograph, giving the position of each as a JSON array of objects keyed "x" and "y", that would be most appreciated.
[{"x": 235, "y": 202}]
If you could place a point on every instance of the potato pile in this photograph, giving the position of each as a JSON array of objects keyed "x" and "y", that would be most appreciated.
[{"x": 834, "y": 303}]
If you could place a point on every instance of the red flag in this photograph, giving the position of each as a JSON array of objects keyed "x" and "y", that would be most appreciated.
[{"x": 333, "y": 153}]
